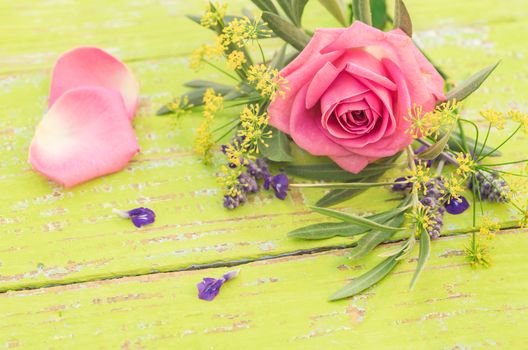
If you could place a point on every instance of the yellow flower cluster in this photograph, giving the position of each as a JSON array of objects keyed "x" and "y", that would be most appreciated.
[
  {"x": 204, "y": 52},
  {"x": 429, "y": 123},
  {"x": 214, "y": 14},
  {"x": 267, "y": 81},
  {"x": 204, "y": 143},
  {"x": 180, "y": 106},
  {"x": 229, "y": 180},
  {"x": 519, "y": 117},
  {"x": 253, "y": 128},
  {"x": 495, "y": 118},
  {"x": 236, "y": 153},
  {"x": 240, "y": 31},
  {"x": 236, "y": 59},
  {"x": 422, "y": 217},
  {"x": 452, "y": 189},
  {"x": 419, "y": 176},
  {"x": 466, "y": 164},
  {"x": 489, "y": 227},
  {"x": 478, "y": 255}
]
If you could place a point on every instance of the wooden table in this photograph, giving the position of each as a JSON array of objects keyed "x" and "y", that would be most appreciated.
[{"x": 73, "y": 276}]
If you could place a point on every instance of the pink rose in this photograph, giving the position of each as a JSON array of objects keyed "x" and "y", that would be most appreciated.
[{"x": 349, "y": 92}]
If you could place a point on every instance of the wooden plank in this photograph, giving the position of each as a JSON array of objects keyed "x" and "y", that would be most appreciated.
[
  {"x": 52, "y": 235},
  {"x": 281, "y": 303}
]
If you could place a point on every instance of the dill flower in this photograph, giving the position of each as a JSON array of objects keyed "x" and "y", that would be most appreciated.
[
  {"x": 253, "y": 127},
  {"x": 213, "y": 15},
  {"x": 519, "y": 117},
  {"x": 429, "y": 123},
  {"x": 236, "y": 153},
  {"x": 240, "y": 31},
  {"x": 466, "y": 164},
  {"x": 422, "y": 217},
  {"x": 180, "y": 106},
  {"x": 495, "y": 118},
  {"x": 204, "y": 52},
  {"x": 419, "y": 177},
  {"x": 478, "y": 254},
  {"x": 204, "y": 143},
  {"x": 267, "y": 81},
  {"x": 236, "y": 59},
  {"x": 452, "y": 188},
  {"x": 489, "y": 227}
]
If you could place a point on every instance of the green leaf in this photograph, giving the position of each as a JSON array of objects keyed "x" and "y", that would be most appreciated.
[
  {"x": 402, "y": 19},
  {"x": 206, "y": 84},
  {"x": 336, "y": 9},
  {"x": 470, "y": 85},
  {"x": 372, "y": 239},
  {"x": 379, "y": 13},
  {"x": 437, "y": 148},
  {"x": 298, "y": 10},
  {"x": 366, "y": 280},
  {"x": 355, "y": 219},
  {"x": 327, "y": 230},
  {"x": 343, "y": 229},
  {"x": 362, "y": 11},
  {"x": 278, "y": 149},
  {"x": 266, "y": 5},
  {"x": 425, "y": 248},
  {"x": 279, "y": 57},
  {"x": 286, "y": 31},
  {"x": 333, "y": 172}
]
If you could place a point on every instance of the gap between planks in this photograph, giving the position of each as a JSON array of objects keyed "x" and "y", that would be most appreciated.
[{"x": 245, "y": 261}]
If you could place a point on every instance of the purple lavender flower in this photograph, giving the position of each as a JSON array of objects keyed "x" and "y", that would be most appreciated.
[
  {"x": 490, "y": 187},
  {"x": 139, "y": 216},
  {"x": 248, "y": 183},
  {"x": 401, "y": 184},
  {"x": 232, "y": 202},
  {"x": 258, "y": 169},
  {"x": 279, "y": 183},
  {"x": 209, "y": 288},
  {"x": 457, "y": 206}
]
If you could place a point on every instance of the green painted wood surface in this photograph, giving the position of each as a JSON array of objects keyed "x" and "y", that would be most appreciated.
[
  {"x": 83, "y": 240},
  {"x": 56, "y": 236},
  {"x": 281, "y": 304}
]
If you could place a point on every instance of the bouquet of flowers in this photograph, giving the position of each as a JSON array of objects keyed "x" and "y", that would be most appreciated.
[{"x": 360, "y": 101}]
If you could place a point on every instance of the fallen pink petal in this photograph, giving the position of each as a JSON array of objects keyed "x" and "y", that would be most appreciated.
[
  {"x": 85, "y": 134},
  {"x": 91, "y": 66}
]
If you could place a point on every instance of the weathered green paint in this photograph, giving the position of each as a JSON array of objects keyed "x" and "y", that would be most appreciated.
[
  {"x": 281, "y": 304},
  {"x": 56, "y": 236}
]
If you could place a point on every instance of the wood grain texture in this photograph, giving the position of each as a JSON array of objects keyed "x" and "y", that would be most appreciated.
[
  {"x": 281, "y": 304},
  {"x": 55, "y": 236}
]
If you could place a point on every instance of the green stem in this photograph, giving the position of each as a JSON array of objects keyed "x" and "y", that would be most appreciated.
[
  {"x": 221, "y": 70},
  {"x": 226, "y": 124},
  {"x": 508, "y": 163},
  {"x": 502, "y": 144},
  {"x": 226, "y": 133},
  {"x": 485, "y": 141}
]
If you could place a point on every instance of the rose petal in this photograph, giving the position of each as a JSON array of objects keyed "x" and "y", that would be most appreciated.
[
  {"x": 90, "y": 66},
  {"x": 84, "y": 135}
]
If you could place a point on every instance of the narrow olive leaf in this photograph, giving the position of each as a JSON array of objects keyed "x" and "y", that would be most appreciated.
[
  {"x": 338, "y": 196},
  {"x": 425, "y": 249},
  {"x": 366, "y": 280},
  {"x": 355, "y": 219},
  {"x": 379, "y": 13},
  {"x": 372, "y": 239},
  {"x": 197, "y": 84},
  {"x": 336, "y": 9},
  {"x": 343, "y": 229},
  {"x": 277, "y": 147},
  {"x": 346, "y": 185},
  {"x": 327, "y": 230},
  {"x": 470, "y": 85},
  {"x": 266, "y": 5},
  {"x": 455, "y": 143},
  {"x": 298, "y": 10},
  {"x": 402, "y": 19},
  {"x": 362, "y": 11},
  {"x": 333, "y": 172},
  {"x": 437, "y": 148},
  {"x": 286, "y": 31},
  {"x": 278, "y": 58}
]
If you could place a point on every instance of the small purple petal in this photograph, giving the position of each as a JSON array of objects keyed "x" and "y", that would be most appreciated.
[
  {"x": 457, "y": 206},
  {"x": 142, "y": 216},
  {"x": 279, "y": 183},
  {"x": 248, "y": 182},
  {"x": 209, "y": 288}
]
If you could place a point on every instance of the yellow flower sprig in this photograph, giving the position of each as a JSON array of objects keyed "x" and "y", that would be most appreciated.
[
  {"x": 204, "y": 142},
  {"x": 495, "y": 118},
  {"x": 428, "y": 124},
  {"x": 267, "y": 81}
]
